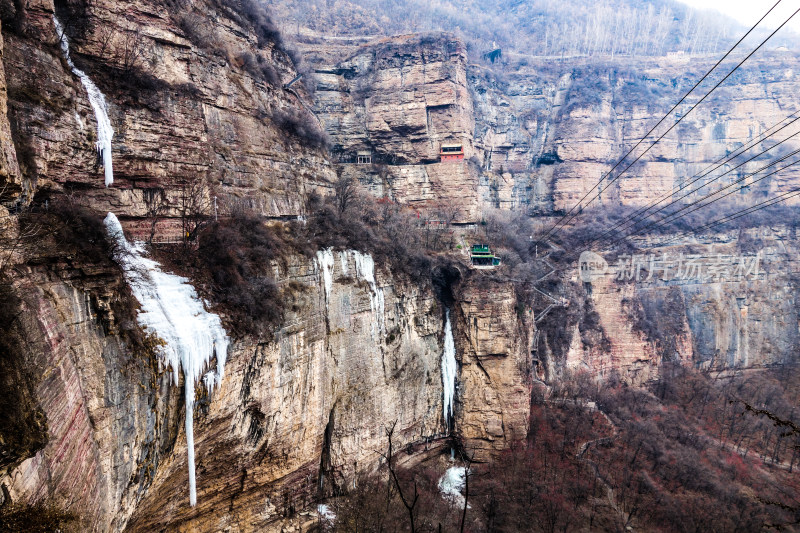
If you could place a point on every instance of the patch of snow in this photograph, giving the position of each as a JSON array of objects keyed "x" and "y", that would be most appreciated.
[
  {"x": 452, "y": 483},
  {"x": 171, "y": 309},
  {"x": 449, "y": 369},
  {"x": 98, "y": 101},
  {"x": 326, "y": 513}
]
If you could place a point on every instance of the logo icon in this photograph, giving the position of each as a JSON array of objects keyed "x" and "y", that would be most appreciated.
[{"x": 592, "y": 266}]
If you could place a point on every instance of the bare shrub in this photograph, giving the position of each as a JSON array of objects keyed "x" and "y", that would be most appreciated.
[
  {"x": 197, "y": 30},
  {"x": 266, "y": 31},
  {"x": 237, "y": 255},
  {"x": 194, "y": 207},
  {"x": 37, "y": 519},
  {"x": 68, "y": 229},
  {"x": 23, "y": 425},
  {"x": 258, "y": 67},
  {"x": 301, "y": 125},
  {"x": 131, "y": 51},
  {"x": 13, "y": 15}
]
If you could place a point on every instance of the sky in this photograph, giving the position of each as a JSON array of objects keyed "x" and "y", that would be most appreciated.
[{"x": 749, "y": 11}]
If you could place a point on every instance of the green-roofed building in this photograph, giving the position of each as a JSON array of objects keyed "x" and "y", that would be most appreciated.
[{"x": 482, "y": 257}]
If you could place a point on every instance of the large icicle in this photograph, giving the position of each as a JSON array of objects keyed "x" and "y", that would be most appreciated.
[
  {"x": 171, "y": 309},
  {"x": 325, "y": 261},
  {"x": 365, "y": 269},
  {"x": 98, "y": 101},
  {"x": 449, "y": 368}
]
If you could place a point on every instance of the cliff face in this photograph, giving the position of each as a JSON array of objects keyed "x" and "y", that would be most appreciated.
[
  {"x": 196, "y": 99},
  {"x": 307, "y": 413},
  {"x": 496, "y": 342},
  {"x": 542, "y": 133},
  {"x": 110, "y": 414},
  {"x": 397, "y": 101},
  {"x": 9, "y": 169},
  {"x": 193, "y": 103},
  {"x": 297, "y": 417},
  {"x": 198, "y": 111},
  {"x": 727, "y": 301},
  {"x": 547, "y": 133}
]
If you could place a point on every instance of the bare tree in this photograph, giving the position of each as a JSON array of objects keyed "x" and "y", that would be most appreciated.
[
  {"x": 194, "y": 205},
  {"x": 408, "y": 502},
  {"x": 467, "y": 460},
  {"x": 131, "y": 51},
  {"x": 345, "y": 190},
  {"x": 155, "y": 201},
  {"x": 105, "y": 36}
]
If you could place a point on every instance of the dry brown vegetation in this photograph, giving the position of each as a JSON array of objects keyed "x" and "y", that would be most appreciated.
[{"x": 680, "y": 455}]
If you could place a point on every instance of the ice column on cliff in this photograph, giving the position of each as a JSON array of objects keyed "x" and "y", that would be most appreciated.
[
  {"x": 325, "y": 261},
  {"x": 171, "y": 309},
  {"x": 98, "y": 102},
  {"x": 449, "y": 368},
  {"x": 365, "y": 269}
]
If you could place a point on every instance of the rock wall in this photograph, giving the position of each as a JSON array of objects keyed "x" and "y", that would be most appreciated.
[
  {"x": 9, "y": 169},
  {"x": 195, "y": 100},
  {"x": 710, "y": 324},
  {"x": 547, "y": 132},
  {"x": 398, "y": 100},
  {"x": 296, "y": 418},
  {"x": 495, "y": 340},
  {"x": 107, "y": 408},
  {"x": 542, "y": 132}
]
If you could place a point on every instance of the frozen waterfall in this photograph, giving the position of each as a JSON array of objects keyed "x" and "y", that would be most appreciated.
[
  {"x": 171, "y": 309},
  {"x": 364, "y": 270},
  {"x": 98, "y": 102},
  {"x": 325, "y": 261},
  {"x": 449, "y": 368}
]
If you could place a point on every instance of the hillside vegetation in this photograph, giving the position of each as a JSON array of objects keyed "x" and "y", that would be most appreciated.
[{"x": 536, "y": 27}]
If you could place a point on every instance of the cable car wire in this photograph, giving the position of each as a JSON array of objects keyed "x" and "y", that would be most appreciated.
[{"x": 561, "y": 220}]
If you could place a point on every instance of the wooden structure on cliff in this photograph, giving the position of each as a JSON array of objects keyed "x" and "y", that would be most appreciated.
[{"x": 451, "y": 152}]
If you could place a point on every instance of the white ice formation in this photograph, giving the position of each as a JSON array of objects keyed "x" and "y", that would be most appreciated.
[
  {"x": 452, "y": 483},
  {"x": 98, "y": 102},
  {"x": 171, "y": 309},
  {"x": 364, "y": 270},
  {"x": 326, "y": 513},
  {"x": 449, "y": 369}
]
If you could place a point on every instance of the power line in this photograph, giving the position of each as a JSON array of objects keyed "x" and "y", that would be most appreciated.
[
  {"x": 636, "y": 222},
  {"x": 691, "y": 109},
  {"x": 662, "y": 222},
  {"x": 703, "y": 173},
  {"x": 793, "y": 193},
  {"x": 673, "y": 216},
  {"x": 559, "y": 222},
  {"x": 738, "y": 214}
]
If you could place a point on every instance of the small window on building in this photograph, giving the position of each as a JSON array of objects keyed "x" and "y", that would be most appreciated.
[{"x": 364, "y": 158}]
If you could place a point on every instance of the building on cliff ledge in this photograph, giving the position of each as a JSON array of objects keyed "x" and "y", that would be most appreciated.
[
  {"x": 364, "y": 158},
  {"x": 482, "y": 257},
  {"x": 452, "y": 152}
]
